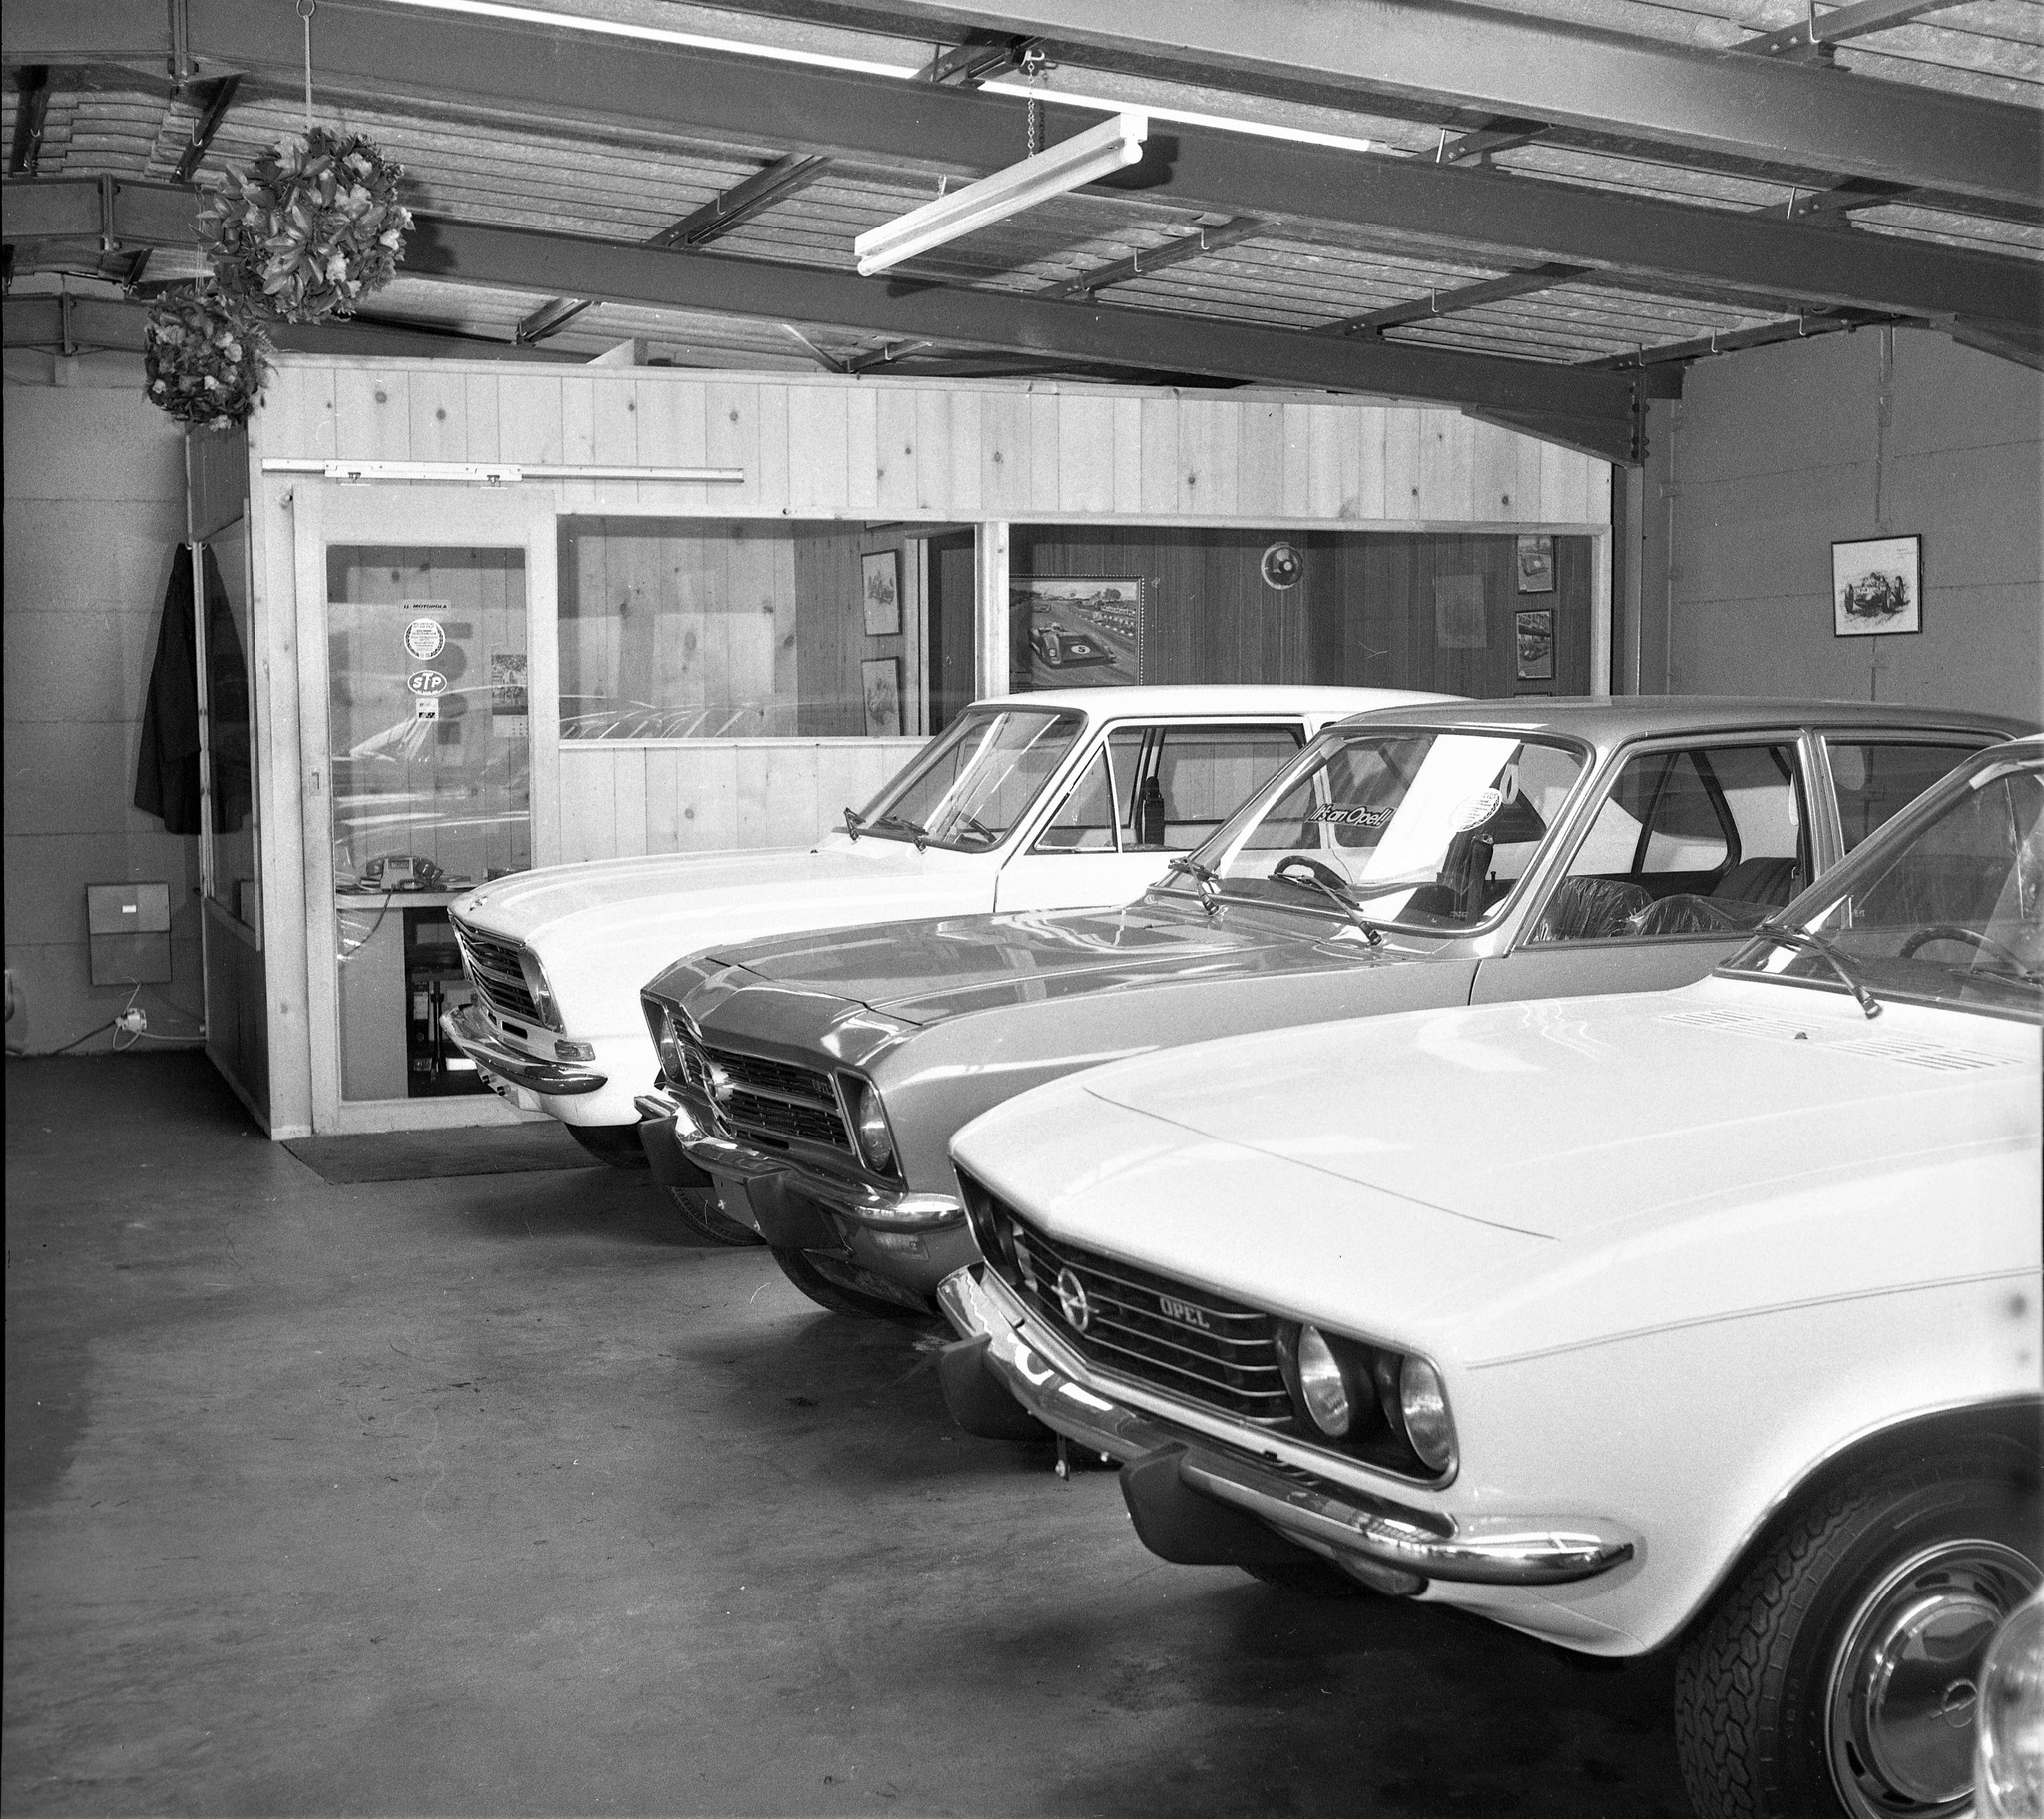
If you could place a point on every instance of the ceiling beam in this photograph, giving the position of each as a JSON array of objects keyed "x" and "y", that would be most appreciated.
[
  {"x": 39, "y": 323},
  {"x": 716, "y": 217},
  {"x": 31, "y": 109},
  {"x": 1486, "y": 141},
  {"x": 654, "y": 89},
  {"x": 1493, "y": 59},
  {"x": 220, "y": 97},
  {"x": 1195, "y": 245},
  {"x": 971, "y": 63},
  {"x": 1815, "y": 37},
  {"x": 1454, "y": 302},
  {"x": 467, "y": 253},
  {"x": 1798, "y": 328}
]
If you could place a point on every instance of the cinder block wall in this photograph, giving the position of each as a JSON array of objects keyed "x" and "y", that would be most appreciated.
[
  {"x": 1774, "y": 452},
  {"x": 95, "y": 502}
]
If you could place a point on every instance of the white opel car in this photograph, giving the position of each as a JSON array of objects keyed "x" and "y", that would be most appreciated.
[
  {"x": 1704, "y": 1319},
  {"x": 972, "y": 824}
]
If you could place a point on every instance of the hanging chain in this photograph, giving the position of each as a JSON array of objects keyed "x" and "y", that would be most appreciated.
[
  {"x": 306, "y": 8},
  {"x": 1035, "y": 126}
]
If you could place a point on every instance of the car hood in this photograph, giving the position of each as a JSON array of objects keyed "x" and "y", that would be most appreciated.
[
  {"x": 1721, "y": 1147},
  {"x": 1555, "y": 1116},
  {"x": 602, "y": 930},
  {"x": 930, "y": 970}
]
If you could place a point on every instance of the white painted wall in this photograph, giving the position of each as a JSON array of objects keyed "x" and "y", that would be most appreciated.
[{"x": 1774, "y": 453}]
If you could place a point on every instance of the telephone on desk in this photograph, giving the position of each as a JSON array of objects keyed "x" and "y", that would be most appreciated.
[{"x": 404, "y": 872}]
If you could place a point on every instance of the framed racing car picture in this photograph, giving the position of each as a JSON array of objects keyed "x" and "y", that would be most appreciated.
[
  {"x": 1076, "y": 631},
  {"x": 1877, "y": 587}
]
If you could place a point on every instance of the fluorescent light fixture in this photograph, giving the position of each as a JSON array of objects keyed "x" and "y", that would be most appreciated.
[{"x": 1068, "y": 164}]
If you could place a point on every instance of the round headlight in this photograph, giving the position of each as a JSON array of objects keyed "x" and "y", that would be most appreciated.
[
  {"x": 671, "y": 1061},
  {"x": 1322, "y": 1386},
  {"x": 1424, "y": 1405},
  {"x": 875, "y": 1141}
]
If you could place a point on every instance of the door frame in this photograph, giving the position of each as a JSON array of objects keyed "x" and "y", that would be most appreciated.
[{"x": 401, "y": 516}]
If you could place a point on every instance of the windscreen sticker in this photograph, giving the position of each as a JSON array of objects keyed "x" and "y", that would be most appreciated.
[
  {"x": 1478, "y": 809},
  {"x": 1337, "y": 815}
]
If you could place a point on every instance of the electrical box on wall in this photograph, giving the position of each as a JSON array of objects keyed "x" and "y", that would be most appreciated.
[{"x": 128, "y": 932}]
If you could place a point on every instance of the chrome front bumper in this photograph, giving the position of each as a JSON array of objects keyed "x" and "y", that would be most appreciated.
[
  {"x": 1043, "y": 1375},
  {"x": 734, "y": 1165},
  {"x": 466, "y": 1030}
]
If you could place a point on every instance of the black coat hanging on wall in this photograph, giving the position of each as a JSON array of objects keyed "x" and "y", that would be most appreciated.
[{"x": 166, "y": 770}]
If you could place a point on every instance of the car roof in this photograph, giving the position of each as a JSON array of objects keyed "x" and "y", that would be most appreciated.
[
  {"x": 1616, "y": 721},
  {"x": 1141, "y": 700}
]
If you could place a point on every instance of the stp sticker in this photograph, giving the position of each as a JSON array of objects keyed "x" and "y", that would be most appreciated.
[
  {"x": 425, "y": 638},
  {"x": 426, "y": 682},
  {"x": 425, "y": 708}
]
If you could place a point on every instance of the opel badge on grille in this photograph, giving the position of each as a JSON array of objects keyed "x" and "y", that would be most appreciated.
[{"x": 1072, "y": 1298}]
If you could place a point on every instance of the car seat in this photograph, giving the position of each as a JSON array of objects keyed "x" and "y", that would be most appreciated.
[
  {"x": 1740, "y": 899},
  {"x": 1591, "y": 909}
]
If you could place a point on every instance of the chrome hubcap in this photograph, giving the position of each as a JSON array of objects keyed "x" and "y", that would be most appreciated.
[{"x": 1904, "y": 1684}]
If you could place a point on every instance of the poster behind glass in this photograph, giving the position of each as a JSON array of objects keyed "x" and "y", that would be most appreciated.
[{"x": 1075, "y": 632}]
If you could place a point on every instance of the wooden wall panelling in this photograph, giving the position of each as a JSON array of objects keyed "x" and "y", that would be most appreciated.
[
  {"x": 662, "y": 829},
  {"x": 589, "y": 794},
  {"x": 485, "y": 439},
  {"x": 1006, "y": 454},
  {"x": 731, "y": 415},
  {"x": 897, "y": 466},
  {"x": 529, "y": 417},
  {"x": 1086, "y": 455},
  {"x": 863, "y": 449},
  {"x": 769, "y": 488},
  {"x": 818, "y": 451},
  {"x": 217, "y": 479},
  {"x": 1128, "y": 454},
  {"x": 672, "y": 431},
  {"x": 966, "y": 412},
  {"x": 372, "y": 414},
  {"x": 1043, "y": 450},
  {"x": 438, "y": 406},
  {"x": 297, "y": 416},
  {"x": 1260, "y": 484},
  {"x": 1295, "y": 487},
  {"x": 577, "y": 442}
]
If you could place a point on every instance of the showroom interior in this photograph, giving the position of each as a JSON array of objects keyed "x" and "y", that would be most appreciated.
[{"x": 705, "y": 406}]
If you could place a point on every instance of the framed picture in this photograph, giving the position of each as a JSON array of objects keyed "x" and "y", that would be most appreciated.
[
  {"x": 882, "y": 568},
  {"x": 1877, "y": 587},
  {"x": 1076, "y": 632},
  {"x": 1536, "y": 644},
  {"x": 1536, "y": 565},
  {"x": 881, "y": 677}
]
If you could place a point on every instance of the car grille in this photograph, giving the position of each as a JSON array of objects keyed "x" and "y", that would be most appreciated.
[
  {"x": 773, "y": 1100},
  {"x": 493, "y": 969},
  {"x": 1208, "y": 1348}
]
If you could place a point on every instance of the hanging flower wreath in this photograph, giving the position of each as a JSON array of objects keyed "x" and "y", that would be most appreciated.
[
  {"x": 204, "y": 358},
  {"x": 302, "y": 237}
]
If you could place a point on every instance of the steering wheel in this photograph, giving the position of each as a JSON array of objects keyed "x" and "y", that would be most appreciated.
[
  {"x": 1953, "y": 931},
  {"x": 1325, "y": 874}
]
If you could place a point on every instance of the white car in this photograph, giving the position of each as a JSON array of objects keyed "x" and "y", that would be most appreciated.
[
  {"x": 983, "y": 818},
  {"x": 1704, "y": 1318}
]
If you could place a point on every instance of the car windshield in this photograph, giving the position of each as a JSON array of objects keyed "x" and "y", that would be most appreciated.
[
  {"x": 1945, "y": 905},
  {"x": 1426, "y": 830},
  {"x": 968, "y": 790}
]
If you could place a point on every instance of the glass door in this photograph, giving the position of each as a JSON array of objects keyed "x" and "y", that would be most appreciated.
[{"x": 420, "y": 760}]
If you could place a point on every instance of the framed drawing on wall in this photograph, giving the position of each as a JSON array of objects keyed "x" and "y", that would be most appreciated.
[
  {"x": 1877, "y": 587},
  {"x": 1536, "y": 644},
  {"x": 883, "y": 570},
  {"x": 1076, "y": 631},
  {"x": 881, "y": 677},
  {"x": 1536, "y": 564}
]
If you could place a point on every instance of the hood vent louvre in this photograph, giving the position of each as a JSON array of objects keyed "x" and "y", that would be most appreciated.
[{"x": 1938, "y": 1057}]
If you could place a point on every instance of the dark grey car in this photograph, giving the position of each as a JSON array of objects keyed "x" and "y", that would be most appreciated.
[{"x": 1416, "y": 858}]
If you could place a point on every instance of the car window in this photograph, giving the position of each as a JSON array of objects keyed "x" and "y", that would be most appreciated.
[
  {"x": 1691, "y": 840},
  {"x": 966, "y": 789},
  {"x": 1947, "y": 908},
  {"x": 1166, "y": 788},
  {"x": 1874, "y": 777},
  {"x": 1430, "y": 830},
  {"x": 1085, "y": 820}
]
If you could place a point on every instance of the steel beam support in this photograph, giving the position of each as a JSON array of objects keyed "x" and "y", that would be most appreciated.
[
  {"x": 1454, "y": 302},
  {"x": 1645, "y": 243},
  {"x": 971, "y": 63},
  {"x": 1498, "y": 135},
  {"x": 1494, "y": 60},
  {"x": 220, "y": 98},
  {"x": 31, "y": 109},
  {"x": 1815, "y": 35},
  {"x": 69, "y": 322},
  {"x": 1194, "y": 246},
  {"x": 1798, "y": 328}
]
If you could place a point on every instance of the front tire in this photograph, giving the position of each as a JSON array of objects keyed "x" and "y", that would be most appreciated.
[
  {"x": 1838, "y": 1675},
  {"x": 701, "y": 1215},
  {"x": 843, "y": 1297}
]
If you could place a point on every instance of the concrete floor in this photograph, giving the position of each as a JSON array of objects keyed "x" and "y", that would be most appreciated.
[{"x": 498, "y": 1495}]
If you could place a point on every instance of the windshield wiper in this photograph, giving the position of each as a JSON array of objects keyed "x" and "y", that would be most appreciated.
[
  {"x": 1306, "y": 881},
  {"x": 915, "y": 829},
  {"x": 1204, "y": 878},
  {"x": 1818, "y": 945},
  {"x": 854, "y": 822}
]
